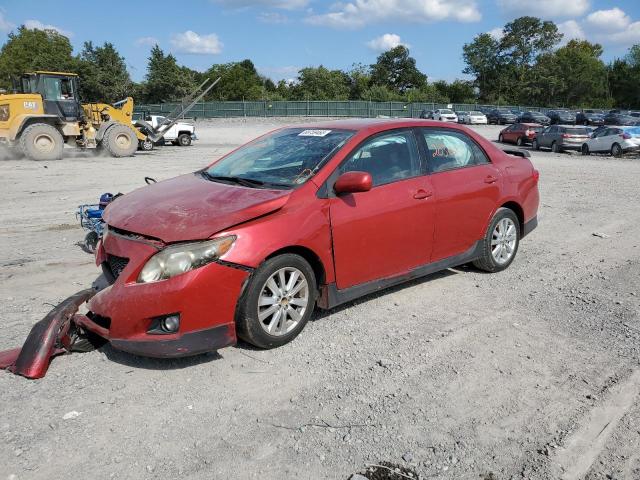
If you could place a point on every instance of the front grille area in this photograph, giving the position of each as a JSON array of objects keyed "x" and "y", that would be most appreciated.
[{"x": 116, "y": 265}]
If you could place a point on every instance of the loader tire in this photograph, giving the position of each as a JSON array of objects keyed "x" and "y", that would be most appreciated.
[
  {"x": 41, "y": 141},
  {"x": 120, "y": 141}
]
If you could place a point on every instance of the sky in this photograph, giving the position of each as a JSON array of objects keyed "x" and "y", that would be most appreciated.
[{"x": 282, "y": 36}]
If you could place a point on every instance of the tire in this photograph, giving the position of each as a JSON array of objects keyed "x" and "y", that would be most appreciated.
[
  {"x": 184, "y": 139},
  {"x": 41, "y": 142},
  {"x": 535, "y": 145},
  {"x": 489, "y": 261},
  {"x": 120, "y": 141},
  {"x": 586, "y": 123},
  {"x": 91, "y": 242},
  {"x": 145, "y": 145},
  {"x": 519, "y": 142},
  {"x": 554, "y": 147},
  {"x": 500, "y": 138},
  {"x": 616, "y": 150},
  {"x": 585, "y": 150},
  {"x": 263, "y": 332}
]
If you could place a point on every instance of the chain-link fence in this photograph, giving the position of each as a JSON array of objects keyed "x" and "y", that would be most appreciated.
[{"x": 346, "y": 108}]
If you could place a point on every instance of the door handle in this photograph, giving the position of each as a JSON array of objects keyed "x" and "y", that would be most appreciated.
[
  {"x": 490, "y": 179},
  {"x": 422, "y": 194}
]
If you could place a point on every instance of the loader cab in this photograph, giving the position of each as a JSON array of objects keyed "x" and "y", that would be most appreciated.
[{"x": 59, "y": 93}]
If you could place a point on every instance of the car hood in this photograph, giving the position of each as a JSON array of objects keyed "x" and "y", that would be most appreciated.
[{"x": 190, "y": 207}]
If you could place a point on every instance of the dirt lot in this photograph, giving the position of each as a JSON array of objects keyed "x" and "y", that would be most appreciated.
[{"x": 531, "y": 373}]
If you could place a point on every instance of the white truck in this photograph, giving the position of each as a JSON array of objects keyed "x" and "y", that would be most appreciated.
[{"x": 182, "y": 133}]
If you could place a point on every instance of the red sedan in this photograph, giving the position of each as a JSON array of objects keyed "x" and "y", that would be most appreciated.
[
  {"x": 303, "y": 217},
  {"x": 520, "y": 133}
]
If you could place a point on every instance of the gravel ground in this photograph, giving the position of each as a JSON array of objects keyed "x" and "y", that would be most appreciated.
[{"x": 530, "y": 373}]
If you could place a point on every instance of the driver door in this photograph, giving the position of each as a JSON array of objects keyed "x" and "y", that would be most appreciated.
[{"x": 388, "y": 230}]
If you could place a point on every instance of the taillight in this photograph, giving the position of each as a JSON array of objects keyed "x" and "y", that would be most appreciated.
[
  {"x": 566, "y": 135},
  {"x": 536, "y": 175}
]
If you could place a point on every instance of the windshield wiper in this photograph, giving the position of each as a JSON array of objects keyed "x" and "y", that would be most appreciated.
[{"x": 245, "y": 182}]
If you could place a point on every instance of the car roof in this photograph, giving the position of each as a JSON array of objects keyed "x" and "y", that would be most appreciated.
[
  {"x": 531, "y": 124},
  {"x": 373, "y": 124}
]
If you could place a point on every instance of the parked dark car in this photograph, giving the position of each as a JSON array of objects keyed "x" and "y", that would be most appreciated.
[
  {"x": 561, "y": 117},
  {"x": 426, "y": 114},
  {"x": 534, "y": 117},
  {"x": 590, "y": 117},
  {"x": 559, "y": 138},
  {"x": 501, "y": 116},
  {"x": 621, "y": 118}
]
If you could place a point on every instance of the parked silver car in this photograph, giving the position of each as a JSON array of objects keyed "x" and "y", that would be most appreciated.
[
  {"x": 561, "y": 137},
  {"x": 614, "y": 140},
  {"x": 472, "y": 118}
]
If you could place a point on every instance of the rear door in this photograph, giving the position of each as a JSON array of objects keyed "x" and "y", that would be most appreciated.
[
  {"x": 388, "y": 230},
  {"x": 466, "y": 188}
]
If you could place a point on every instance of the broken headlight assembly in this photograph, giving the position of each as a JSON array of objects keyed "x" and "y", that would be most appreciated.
[{"x": 178, "y": 259}]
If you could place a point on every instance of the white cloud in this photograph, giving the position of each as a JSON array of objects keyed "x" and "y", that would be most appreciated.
[
  {"x": 608, "y": 20},
  {"x": 273, "y": 17},
  {"x": 571, "y": 31},
  {"x": 191, "y": 42},
  {"x": 284, "y": 4},
  {"x": 359, "y": 13},
  {"x": 545, "y": 8},
  {"x": 497, "y": 33},
  {"x": 38, "y": 25},
  {"x": 385, "y": 42},
  {"x": 288, "y": 72},
  {"x": 146, "y": 42},
  {"x": 629, "y": 36},
  {"x": 5, "y": 25}
]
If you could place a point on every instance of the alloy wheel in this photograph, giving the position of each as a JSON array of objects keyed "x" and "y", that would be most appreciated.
[
  {"x": 503, "y": 241},
  {"x": 283, "y": 301}
]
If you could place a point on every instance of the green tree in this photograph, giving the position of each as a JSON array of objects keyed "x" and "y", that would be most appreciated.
[
  {"x": 321, "y": 84},
  {"x": 483, "y": 61},
  {"x": 396, "y": 70},
  {"x": 165, "y": 80},
  {"x": 239, "y": 80},
  {"x": 624, "y": 79},
  {"x": 360, "y": 80},
  {"x": 103, "y": 73},
  {"x": 32, "y": 49}
]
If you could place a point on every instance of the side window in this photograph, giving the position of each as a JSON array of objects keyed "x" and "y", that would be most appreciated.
[
  {"x": 388, "y": 158},
  {"x": 451, "y": 150}
]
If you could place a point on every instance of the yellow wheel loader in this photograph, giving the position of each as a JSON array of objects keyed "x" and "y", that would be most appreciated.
[{"x": 44, "y": 113}]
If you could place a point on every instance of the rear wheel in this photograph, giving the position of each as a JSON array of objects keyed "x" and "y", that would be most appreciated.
[
  {"x": 41, "y": 142},
  {"x": 501, "y": 241},
  {"x": 585, "y": 150},
  {"x": 120, "y": 141},
  {"x": 535, "y": 145},
  {"x": 277, "y": 302},
  {"x": 555, "y": 148},
  {"x": 184, "y": 140},
  {"x": 520, "y": 141},
  {"x": 616, "y": 150},
  {"x": 500, "y": 138},
  {"x": 145, "y": 145}
]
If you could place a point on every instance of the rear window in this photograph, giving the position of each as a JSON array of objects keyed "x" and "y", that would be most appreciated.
[
  {"x": 475, "y": 113},
  {"x": 536, "y": 129},
  {"x": 576, "y": 131}
]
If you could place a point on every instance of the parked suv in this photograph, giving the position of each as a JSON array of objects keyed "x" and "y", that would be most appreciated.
[
  {"x": 534, "y": 117},
  {"x": 559, "y": 138},
  {"x": 620, "y": 117},
  {"x": 501, "y": 116},
  {"x": 590, "y": 117},
  {"x": 561, "y": 117}
]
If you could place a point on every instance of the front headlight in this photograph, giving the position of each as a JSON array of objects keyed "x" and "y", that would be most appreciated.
[{"x": 184, "y": 257}]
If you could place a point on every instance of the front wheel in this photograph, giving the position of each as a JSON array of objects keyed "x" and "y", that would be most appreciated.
[
  {"x": 500, "y": 138},
  {"x": 585, "y": 150},
  {"x": 277, "y": 302},
  {"x": 535, "y": 145},
  {"x": 120, "y": 141},
  {"x": 519, "y": 142},
  {"x": 145, "y": 145},
  {"x": 501, "y": 241},
  {"x": 184, "y": 140},
  {"x": 555, "y": 148}
]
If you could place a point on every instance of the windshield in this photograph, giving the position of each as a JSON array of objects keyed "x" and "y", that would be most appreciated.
[
  {"x": 284, "y": 158},
  {"x": 476, "y": 113},
  {"x": 445, "y": 111}
]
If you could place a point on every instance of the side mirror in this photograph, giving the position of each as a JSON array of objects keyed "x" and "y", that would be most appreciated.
[{"x": 353, "y": 182}]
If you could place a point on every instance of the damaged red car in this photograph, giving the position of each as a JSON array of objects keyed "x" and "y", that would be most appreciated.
[{"x": 302, "y": 217}]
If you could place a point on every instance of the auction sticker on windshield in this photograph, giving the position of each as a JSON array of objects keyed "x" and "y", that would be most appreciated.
[{"x": 314, "y": 133}]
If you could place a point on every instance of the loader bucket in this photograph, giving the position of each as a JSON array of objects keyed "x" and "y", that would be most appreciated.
[{"x": 48, "y": 338}]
